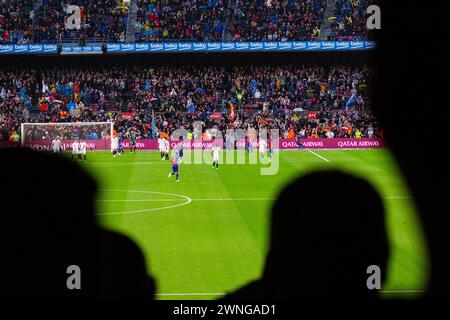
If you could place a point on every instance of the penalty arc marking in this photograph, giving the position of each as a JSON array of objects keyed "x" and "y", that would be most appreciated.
[{"x": 187, "y": 201}]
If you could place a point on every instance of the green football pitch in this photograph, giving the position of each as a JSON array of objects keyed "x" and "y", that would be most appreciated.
[{"x": 207, "y": 234}]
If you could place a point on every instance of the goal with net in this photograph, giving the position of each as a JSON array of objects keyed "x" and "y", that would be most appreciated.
[{"x": 40, "y": 135}]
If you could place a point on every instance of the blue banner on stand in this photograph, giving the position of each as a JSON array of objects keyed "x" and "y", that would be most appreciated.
[
  {"x": 241, "y": 46},
  {"x": 28, "y": 48},
  {"x": 81, "y": 49},
  {"x": 159, "y": 47}
]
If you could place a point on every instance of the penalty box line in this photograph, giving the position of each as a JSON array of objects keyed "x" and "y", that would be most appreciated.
[{"x": 317, "y": 155}]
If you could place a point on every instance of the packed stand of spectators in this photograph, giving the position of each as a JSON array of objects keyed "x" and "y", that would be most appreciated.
[
  {"x": 16, "y": 90},
  {"x": 328, "y": 124},
  {"x": 350, "y": 20},
  {"x": 186, "y": 20},
  {"x": 189, "y": 20},
  {"x": 277, "y": 20},
  {"x": 16, "y": 21},
  {"x": 290, "y": 98},
  {"x": 75, "y": 132},
  {"x": 101, "y": 19}
]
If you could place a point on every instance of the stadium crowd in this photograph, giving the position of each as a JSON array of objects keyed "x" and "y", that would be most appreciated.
[
  {"x": 16, "y": 21},
  {"x": 201, "y": 20},
  {"x": 312, "y": 101},
  {"x": 187, "y": 20},
  {"x": 105, "y": 19},
  {"x": 350, "y": 19},
  {"x": 277, "y": 20}
]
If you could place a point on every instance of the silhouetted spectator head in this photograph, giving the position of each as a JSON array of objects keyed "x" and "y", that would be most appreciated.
[
  {"x": 48, "y": 224},
  {"x": 327, "y": 228}
]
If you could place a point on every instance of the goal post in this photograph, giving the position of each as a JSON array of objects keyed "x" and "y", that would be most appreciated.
[{"x": 40, "y": 135}]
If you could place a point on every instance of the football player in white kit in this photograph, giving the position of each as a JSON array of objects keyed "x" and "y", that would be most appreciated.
[
  {"x": 56, "y": 145},
  {"x": 82, "y": 151},
  {"x": 166, "y": 144},
  {"x": 215, "y": 150},
  {"x": 263, "y": 149},
  {"x": 161, "y": 146},
  {"x": 114, "y": 145},
  {"x": 75, "y": 149}
]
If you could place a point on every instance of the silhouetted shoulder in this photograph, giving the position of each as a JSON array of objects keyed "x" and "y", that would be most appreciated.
[
  {"x": 122, "y": 260},
  {"x": 50, "y": 217}
]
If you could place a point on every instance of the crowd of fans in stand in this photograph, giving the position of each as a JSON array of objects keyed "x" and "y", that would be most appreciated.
[
  {"x": 280, "y": 97},
  {"x": 350, "y": 20},
  {"x": 350, "y": 123},
  {"x": 186, "y": 20},
  {"x": 16, "y": 89},
  {"x": 101, "y": 19},
  {"x": 200, "y": 20},
  {"x": 277, "y": 20},
  {"x": 16, "y": 21}
]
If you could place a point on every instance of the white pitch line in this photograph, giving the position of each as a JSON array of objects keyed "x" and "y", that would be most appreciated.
[
  {"x": 264, "y": 199},
  {"x": 402, "y": 291},
  {"x": 298, "y": 161},
  {"x": 318, "y": 155},
  {"x": 191, "y": 294},
  {"x": 397, "y": 197},
  {"x": 109, "y": 164},
  {"x": 140, "y": 200},
  {"x": 122, "y": 164},
  {"x": 188, "y": 200},
  {"x": 209, "y": 199},
  {"x": 231, "y": 199},
  {"x": 222, "y": 293}
]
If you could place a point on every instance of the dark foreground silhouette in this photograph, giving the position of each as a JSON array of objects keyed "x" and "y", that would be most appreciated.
[
  {"x": 48, "y": 224},
  {"x": 419, "y": 143},
  {"x": 327, "y": 228}
]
